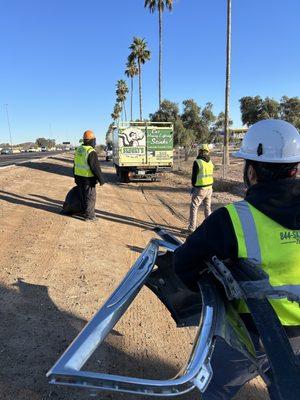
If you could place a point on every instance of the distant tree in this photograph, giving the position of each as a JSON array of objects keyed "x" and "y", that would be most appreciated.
[
  {"x": 51, "y": 143},
  {"x": 184, "y": 137},
  {"x": 254, "y": 109},
  {"x": 207, "y": 114},
  {"x": 43, "y": 142},
  {"x": 191, "y": 116},
  {"x": 219, "y": 122},
  {"x": 250, "y": 108},
  {"x": 116, "y": 112},
  {"x": 160, "y": 6},
  {"x": 168, "y": 112},
  {"x": 290, "y": 110},
  {"x": 121, "y": 92},
  {"x": 131, "y": 71},
  {"x": 207, "y": 120},
  {"x": 139, "y": 53},
  {"x": 193, "y": 126},
  {"x": 270, "y": 109}
]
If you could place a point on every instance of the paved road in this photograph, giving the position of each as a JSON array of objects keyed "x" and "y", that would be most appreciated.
[{"x": 11, "y": 159}]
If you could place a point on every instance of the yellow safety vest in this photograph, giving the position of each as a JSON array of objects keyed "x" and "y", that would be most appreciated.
[
  {"x": 81, "y": 166},
  {"x": 275, "y": 248},
  {"x": 205, "y": 173}
]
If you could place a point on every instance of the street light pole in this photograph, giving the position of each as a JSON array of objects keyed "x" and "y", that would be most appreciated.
[
  {"x": 227, "y": 88},
  {"x": 9, "y": 128}
]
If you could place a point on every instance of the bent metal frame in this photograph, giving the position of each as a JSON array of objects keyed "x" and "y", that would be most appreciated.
[{"x": 196, "y": 374}]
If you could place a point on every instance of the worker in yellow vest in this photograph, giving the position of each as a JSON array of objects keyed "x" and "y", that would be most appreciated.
[
  {"x": 87, "y": 173},
  {"x": 202, "y": 181},
  {"x": 263, "y": 228}
]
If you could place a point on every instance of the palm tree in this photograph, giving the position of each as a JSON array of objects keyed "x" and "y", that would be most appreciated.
[
  {"x": 131, "y": 71},
  {"x": 116, "y": 112},
  {"x": 227, "y": 89},
  {"x": 121, "y": 92},
  {"x": 160, "y": 6},
  {"x": 140, "y": 54}
]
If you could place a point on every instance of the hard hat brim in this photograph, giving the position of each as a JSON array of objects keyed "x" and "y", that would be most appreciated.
[{"x": 262, "y": 158}]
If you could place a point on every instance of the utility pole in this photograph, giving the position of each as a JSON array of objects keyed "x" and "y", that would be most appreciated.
[
  {"x": 9, "y": 128},
  {"x": 227, "y": 89}
]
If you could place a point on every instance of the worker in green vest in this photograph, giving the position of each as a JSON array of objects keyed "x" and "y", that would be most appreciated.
[
  {"x": 87, "y": 173},
  {"x": 263, "y": 228},
  {"x": 202, "y": 181}
]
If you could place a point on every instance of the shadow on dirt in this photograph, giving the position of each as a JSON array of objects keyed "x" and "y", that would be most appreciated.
[
  {"x": 63, "y": 159},
  {"x": 51, "y": 205},
  {"x": 65, "y": 170},
  {"x": 52, "y": 168},
  {"x": 226, "y": 185},
  {"x": 36, "y": 332}
]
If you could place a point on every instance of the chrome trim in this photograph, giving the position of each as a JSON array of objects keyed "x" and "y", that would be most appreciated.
[{"x": 197, "y": 372}]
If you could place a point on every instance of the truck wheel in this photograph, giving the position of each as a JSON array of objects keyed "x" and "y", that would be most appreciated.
[{"x": 124, "y": 176}]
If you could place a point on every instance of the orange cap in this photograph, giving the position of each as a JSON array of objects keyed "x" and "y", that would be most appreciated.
[{"x": 88, "y": 135}]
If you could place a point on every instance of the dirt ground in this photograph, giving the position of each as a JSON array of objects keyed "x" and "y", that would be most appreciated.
[{"x": 56, "y": 272}]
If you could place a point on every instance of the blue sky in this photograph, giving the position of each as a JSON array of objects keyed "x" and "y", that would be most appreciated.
[{"x": 60, "y": 59}]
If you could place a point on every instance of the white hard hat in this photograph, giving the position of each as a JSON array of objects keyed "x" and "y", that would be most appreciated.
[{"x": 271, "y": 140}]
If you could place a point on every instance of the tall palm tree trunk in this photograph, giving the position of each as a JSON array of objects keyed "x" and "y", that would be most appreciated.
[
  {"x": 131, "y": 95},
  {"x": 160, "y": 54},
  {"x": 227, "y": 87},
  {"x": 140, "y": 90}
]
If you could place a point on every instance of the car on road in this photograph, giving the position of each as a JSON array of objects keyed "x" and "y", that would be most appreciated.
[
  {"x": 32, "y": 150},
  {"x": 6, "y": 151},
  {"x": 44, "y": 148}
]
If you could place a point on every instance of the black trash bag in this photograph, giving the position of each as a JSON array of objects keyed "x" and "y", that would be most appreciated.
[{"x": 73, "y": 203}]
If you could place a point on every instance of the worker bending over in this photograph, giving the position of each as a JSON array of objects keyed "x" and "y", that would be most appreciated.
[
  {"x": 87, "y": 173},
  {"x": 202, "y": 181},
  {"x": 264, "y": 228}
]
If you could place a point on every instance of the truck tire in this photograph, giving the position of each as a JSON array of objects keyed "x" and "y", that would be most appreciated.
[{"x": 124, "y": 176}]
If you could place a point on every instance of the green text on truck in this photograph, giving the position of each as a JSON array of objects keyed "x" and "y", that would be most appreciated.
[{"x": 142, "y": 149}]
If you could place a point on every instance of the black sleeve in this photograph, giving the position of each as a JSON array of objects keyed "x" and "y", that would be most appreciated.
[
  {"x": 214, "y": 237},
  {"x": 95, "y": 167},
  {"x": 194, "y": 173}
]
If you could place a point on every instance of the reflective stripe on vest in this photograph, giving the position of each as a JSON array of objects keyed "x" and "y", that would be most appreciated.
[
  {"x": 273, "y": 247},
  {"x": 81, "y": 166},
  {"x": 205, "y": 173}
]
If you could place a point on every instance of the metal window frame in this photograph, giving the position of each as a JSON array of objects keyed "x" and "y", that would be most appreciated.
[{"x": 197, "y": 372}]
